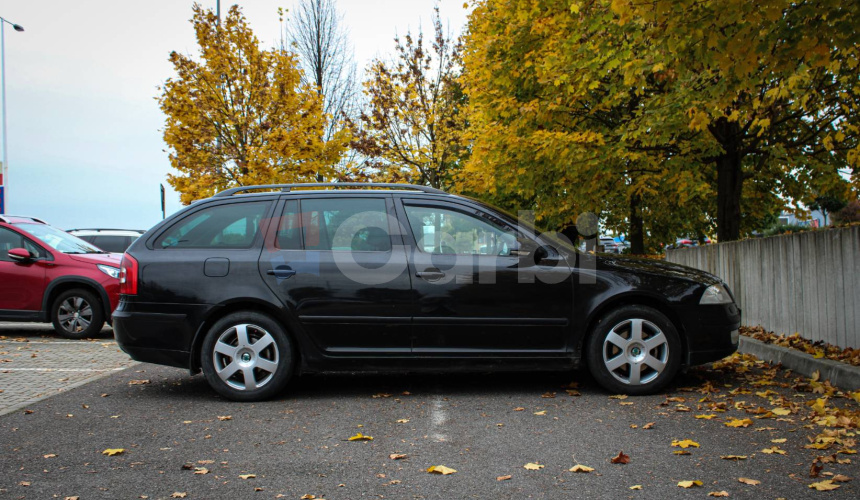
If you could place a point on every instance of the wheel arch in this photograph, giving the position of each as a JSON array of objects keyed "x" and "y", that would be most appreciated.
[
  {"x": 65, "y": 283},
  {"x": 241, "y": 304},
  {"x": 635, "y": 299}
]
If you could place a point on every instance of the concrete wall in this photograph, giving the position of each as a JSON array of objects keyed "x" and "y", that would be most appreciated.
[{"x": 807, "y": 282}]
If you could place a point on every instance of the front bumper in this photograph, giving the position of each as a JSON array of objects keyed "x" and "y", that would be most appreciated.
[{"x": 711, "y": 332}]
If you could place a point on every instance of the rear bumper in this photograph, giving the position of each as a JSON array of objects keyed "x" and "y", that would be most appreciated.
[{"x": 158, "y": 333}]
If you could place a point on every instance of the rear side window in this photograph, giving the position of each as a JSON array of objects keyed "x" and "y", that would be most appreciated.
[
  {"x": 233, "y": 225},
  {"x": 355, "y": 224}
]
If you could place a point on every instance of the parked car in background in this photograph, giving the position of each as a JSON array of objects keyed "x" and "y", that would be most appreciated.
[
  {"x": 49, "y": 275},
  {"x": 109, "y": 240},
  {"x": 609, "y": 245},
  {"x": 252, "y": 288}
]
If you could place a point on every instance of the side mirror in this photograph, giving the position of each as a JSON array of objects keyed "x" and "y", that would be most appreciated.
[
  {"x": 20, "y": 255},
  {"x": 541, "y": 253}
]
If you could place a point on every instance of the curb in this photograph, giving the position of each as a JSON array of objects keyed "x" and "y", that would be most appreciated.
[{"x": 841, "y": 375}]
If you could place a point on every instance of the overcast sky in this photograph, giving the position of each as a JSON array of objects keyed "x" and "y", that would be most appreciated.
[{"x": 84, "y": 129}]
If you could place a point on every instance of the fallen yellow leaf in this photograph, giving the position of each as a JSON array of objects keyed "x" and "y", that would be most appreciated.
[
  {"x": 781, "y": 411},
  {"x": 689, "y": 484},
  {"x": 778, "y": 441},
  {"x": 649, "y": 425},
  {"x": 618, "y": 396},
  {"x": 542, "y": 412},
  {"x": 225, "y": 417},
  {"x": 113, "y": 451},
  {"x": 503, "y": 478},
  {"x": 580, "y": 468},
  {"x": 685, "y": 443},
  {"x": 361, "y": 437},
  {"x": 533, "y": 466},
  {"x": 733, "y": 457},
  {"x": 247, "y": 476},
  {"x": 681, "y": 452},
  {"x": 179, "y": 494},
  {"x": 403, "y": 421},
  {"x": 397, "y": 456},
  {"x": 825, "y": 485},
  {"x": 723, "y": 493},
  {"x": 749, "y": 481},
  {"x": 636, "y": 487},
  {"x": 49, "y": 455},
  {"x": 441, "y": 469},
  {"x": 772, "y": 450},
  {"x": 706, "y": 417},
  {"x": 739, "y": 423}
]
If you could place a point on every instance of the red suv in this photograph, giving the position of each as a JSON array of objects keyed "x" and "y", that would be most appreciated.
[{"x": 48, "y": 275}]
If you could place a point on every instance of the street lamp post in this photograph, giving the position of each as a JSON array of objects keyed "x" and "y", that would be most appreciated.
[{"x": 4, "y": 168}]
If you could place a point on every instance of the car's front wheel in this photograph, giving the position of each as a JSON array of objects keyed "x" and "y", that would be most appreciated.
[
  {"x": 77, "y": 314},
  {"x": 247, "y": 356},
  {"x": 634, "y": 350}
]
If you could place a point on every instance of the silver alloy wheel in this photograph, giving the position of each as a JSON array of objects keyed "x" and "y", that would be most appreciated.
[
  {"x": 635, "y": 351},
  {"x": 75, "y": 314},
  {"x": 245, "y": 357}
]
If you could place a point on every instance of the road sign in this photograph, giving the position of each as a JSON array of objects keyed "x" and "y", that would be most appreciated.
[{"x": 2, "y": 201}]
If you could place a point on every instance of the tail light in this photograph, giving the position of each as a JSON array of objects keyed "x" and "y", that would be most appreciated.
[{"x": 128, "y": 275}]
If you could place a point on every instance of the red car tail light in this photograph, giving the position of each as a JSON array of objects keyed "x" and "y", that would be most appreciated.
[{"x": 128, "y": 275}]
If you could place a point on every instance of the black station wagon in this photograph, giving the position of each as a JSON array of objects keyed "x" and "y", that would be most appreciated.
[{"x": 254, "y": 287}]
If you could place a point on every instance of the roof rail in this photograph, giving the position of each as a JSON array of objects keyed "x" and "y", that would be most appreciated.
[
  {"x": 34, "y": 219},
  {"x": 100, "y": 229},
  {"x": 287, "y": 187}
]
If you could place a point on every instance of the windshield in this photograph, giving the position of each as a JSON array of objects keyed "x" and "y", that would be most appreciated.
[{"x": 58, "y": 240}]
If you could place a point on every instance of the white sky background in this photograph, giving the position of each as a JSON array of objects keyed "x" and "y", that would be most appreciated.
[{"x": 84, "y": 129}]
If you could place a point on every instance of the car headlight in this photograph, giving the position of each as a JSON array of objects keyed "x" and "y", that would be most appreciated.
[
  {"x": 113, "y": 272},
  {"x": 716, "y": 294}
]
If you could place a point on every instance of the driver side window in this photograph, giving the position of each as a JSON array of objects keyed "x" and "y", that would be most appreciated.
[{"x": 448, "y": 232}]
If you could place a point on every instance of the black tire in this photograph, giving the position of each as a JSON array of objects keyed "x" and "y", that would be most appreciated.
[
  {"x": 642, "y": 366},
  {"x": 77, "y": 314},
  {"x": 267, "y": 362}
]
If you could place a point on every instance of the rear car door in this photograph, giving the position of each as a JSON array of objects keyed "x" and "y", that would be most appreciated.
[
  {"x": 477, "y": 287},
  {"x": 338, "y": 261}
]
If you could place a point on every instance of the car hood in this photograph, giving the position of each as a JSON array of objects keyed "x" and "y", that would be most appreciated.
[
  {"x": 660, "y": 267},
  {"x": 109, "y": 259}
]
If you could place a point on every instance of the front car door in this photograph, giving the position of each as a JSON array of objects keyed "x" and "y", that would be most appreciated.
[
  {"x": 339, "y": 263},
  {"x": 477, "y": 287},
  {"x": 22, "y": 284}
]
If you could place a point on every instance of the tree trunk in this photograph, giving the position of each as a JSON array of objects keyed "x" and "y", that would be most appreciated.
[
  {"x": 635, "y": 232},
  {"x": 729, "y": 180}
]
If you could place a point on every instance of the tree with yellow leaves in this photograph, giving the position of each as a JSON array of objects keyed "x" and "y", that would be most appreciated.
[
  {"x": 728, "y": 108},
  {"x": 239, "y": 115},
  {"x": 412, "y": 129}
]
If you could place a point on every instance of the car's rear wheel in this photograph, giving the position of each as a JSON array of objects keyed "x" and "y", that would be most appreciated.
[
  {"x": 247, "y": 356},
  {"x": 634, "y": 350},
  {"x": 77, "y": 314}
]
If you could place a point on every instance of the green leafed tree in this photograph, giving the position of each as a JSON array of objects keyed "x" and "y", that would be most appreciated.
[{"x": 238, "y": 115}]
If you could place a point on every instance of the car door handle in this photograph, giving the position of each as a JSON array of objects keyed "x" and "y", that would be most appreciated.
[
  {"x": 430, "y": 275},
  {"x": 282, "y": 272}
]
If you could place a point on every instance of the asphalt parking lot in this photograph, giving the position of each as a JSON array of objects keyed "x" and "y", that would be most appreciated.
[{"x": 178, "y": 438}]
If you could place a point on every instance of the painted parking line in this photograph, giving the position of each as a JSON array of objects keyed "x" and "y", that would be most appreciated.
[{"x": 4, "y": 370}]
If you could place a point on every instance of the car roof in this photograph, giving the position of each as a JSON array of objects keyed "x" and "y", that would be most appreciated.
[{"x": 18, "y": 219}]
